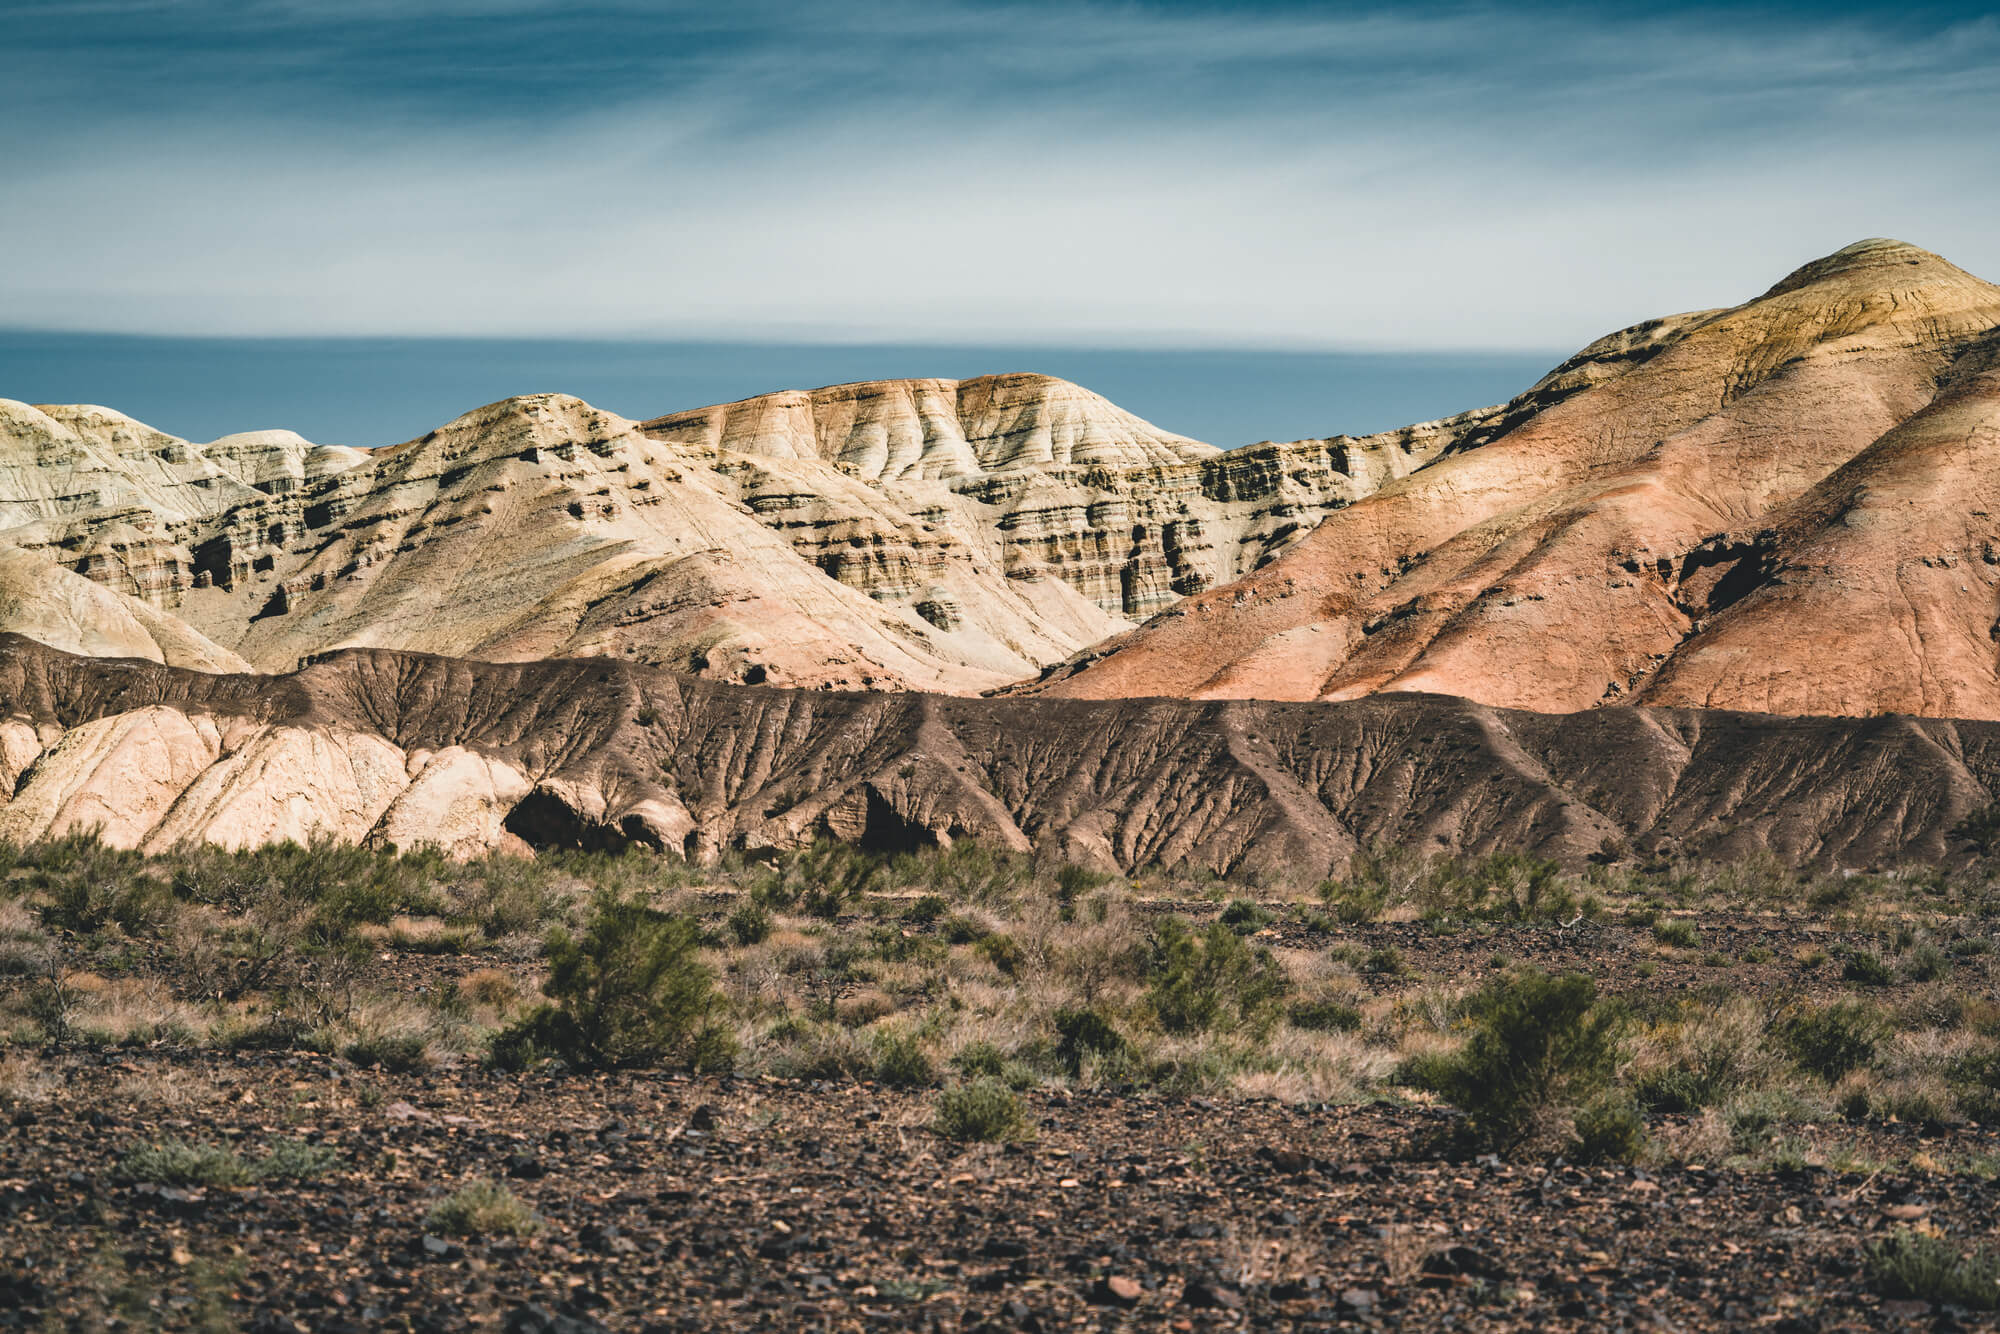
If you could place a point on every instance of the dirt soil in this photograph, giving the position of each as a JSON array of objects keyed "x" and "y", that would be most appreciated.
[{"x": 677, "y": 1204}]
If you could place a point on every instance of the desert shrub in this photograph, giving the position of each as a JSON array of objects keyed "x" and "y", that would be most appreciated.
[
  {"x": 750, "y": 923},
  {"x": 833, "y": 877},
  {"x": 1201, "y": 983},
  {"x": 1702, "y": 1057},
  {"x": 1384, "y": 961},
  {"x": 1866, "y": 968},
  {"x": 1927, "y": 1267},
  {"x": 1677, "y": 932},
  {"x": 1926, "y": 963},
  {"x": 482, "y": 1209},
  {"x": 492, "y": 987},
  {"x": 398, "y": 1053},
  {"x": 798, "y": 1049},
  {"x": 926, "y": 909},
  {"x": 1831, "y": 1040},
  {"x": 969, "y": 872},
  {"x": 1541, "y": 1049},
  {"x": 176, "y": 1162},
  {"x": 1244, "y": 917},
  {"x": 984, "y": 1111},
  {"x": 1607, "y": 1129},
  {"x": 86, "y": 887},
  {"x": 1918, "y": 1098},
  {"x": 1509, "y": 887},
  {"x": 296, "y": 1160},
  {"x": 1073, "y": 882},
  {"x": 1355, "y": 900},
  {"x": 506, "y": 896},
  {"x": 979, "y": 1059},
  {"x": 1083, "y": 1033},
  {"x": 630, "y": 991},
  {"x": 1980, "y": 829},
  {"x": 1324, "y": 1016},
  {"x": 902, "y": 1062},
  {"x": 1003, "y": 952},
  {"x": 958, "y": 929}
]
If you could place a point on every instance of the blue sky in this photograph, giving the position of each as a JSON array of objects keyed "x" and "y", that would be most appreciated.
[{"x": 1503, "y": 179}]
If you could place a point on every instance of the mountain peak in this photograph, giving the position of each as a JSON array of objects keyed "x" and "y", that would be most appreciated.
[{"x": 1872, "y": 261}]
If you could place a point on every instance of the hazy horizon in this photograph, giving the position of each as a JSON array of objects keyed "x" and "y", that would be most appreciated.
[{"x": 382, "y": 391}]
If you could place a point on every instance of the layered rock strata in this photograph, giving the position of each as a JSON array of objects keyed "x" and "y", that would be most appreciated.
[
  {"x": 1786, "y": 505},
  {"x": 385, "y": 747}
]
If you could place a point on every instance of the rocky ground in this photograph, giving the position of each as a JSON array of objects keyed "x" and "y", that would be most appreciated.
[{"x": 674, "y": 1204}]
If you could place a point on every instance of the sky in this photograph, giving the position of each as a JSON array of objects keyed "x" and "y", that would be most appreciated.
[{"x": 1449, "y": 187}]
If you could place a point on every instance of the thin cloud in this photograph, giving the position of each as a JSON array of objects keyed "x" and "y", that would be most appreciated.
[{"x": 1120, "y": 174}]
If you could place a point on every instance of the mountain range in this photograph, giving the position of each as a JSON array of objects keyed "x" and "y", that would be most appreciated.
[{"x": 1785, "y": 507}]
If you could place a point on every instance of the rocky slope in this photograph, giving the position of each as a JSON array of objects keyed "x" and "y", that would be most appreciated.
[
  {"x": 913, "y": 534},
  {"x": 386, "y": 747},
  {"x": 1779, "y": 506}
]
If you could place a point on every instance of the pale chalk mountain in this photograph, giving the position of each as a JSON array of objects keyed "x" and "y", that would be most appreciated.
[
  {"x": 1790, "y": 505},
  {"x": 950, "y": 536}
]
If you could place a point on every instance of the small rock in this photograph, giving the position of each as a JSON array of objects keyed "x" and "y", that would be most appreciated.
[
  {"x": 1117, "y": 1290},
  {"x": 1466, "y": 1260},
  {"x": 703, "y": 1118},
  {"x": 1212, "y": 1296},
  {"x": 525, "y": 1167},
  {"x": 1358, "y": 1299},
  {"x": 529, "y": 1318}
]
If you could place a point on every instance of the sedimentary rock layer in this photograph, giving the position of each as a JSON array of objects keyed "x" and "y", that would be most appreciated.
[
  {"x": 1788, "y": 505},
  {"x": 403, "y": 748},
  {"x": 908, "y": 534}
]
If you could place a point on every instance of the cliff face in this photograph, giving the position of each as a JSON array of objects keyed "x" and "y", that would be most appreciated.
[
  {"x": 1778, "y": 506},
  {"x": 1059, "y": 484},
  {"x": 906, "y": 535},
  {"x": 402, "y": 748}
]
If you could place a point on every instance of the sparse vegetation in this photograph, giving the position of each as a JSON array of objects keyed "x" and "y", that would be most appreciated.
[
  {"x": 482, "y": 1209},
  {"x": 983, "y": 1110},
  {"x": 630, "y": 991},
  {"x": 1915, "y": 1264},
  {"x": 1536, "y": 1066}
]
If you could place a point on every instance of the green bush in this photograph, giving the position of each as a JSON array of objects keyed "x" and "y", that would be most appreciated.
[
  {"x": 1831, "y": 1040},
  {"x": 902, "y": 1062},
  {"x": 979, "y": 1059},
  {"x": 398, "y": 1053},
  {"x": 1244, "y": 917},
  {"x": 1980, "y": 829},
  {"x": 1866, "y": 968},
  {"x": 1003, "y": 952},
  {"x": 1355, "y": 901},
  {"x": 1084, "y": 1033},
  {"x": 984, "y": 1111},
  {"x": 1202, "y": 983},
  {"x": 926, "y": 909},
  {"x": 1384, "y": 961},
  {"x": 631, "y": 991},
  {"x": 1325, "y": 1016},
  {"x": 1608, "y": 1129},
  {"x": 1926, "y": 963},
  {"x": 1920, "y": 1265},
  {"x": 482, "y": 1209},
  {"x": 1677, "y": 932},
  {"x": 1542, "y": 1050},
  {"x": 176, "y": 1162},
  {"x": 750, "y": 924},
  {"x": 296, "y": 1160},
  {"x": 959, "y": 929}
]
